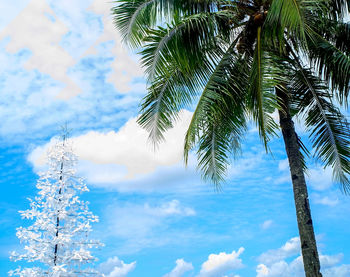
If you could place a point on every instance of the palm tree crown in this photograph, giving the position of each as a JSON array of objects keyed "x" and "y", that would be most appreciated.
[
  {"x": 239, "y": 61},
  {"x": 230, "y": 56}
]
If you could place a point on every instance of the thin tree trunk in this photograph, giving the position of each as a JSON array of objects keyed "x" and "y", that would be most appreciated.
[
  {"x": 58, "y": 211},
  {"x": 305, "y": 226}
]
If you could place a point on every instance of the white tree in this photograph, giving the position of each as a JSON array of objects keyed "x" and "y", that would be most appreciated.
[{"x": 57, "y": 242}]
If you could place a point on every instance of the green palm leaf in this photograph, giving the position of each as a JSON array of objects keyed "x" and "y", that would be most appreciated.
[
  {"x": 166, "y": 96},
  {"x": 215, "y": 145},
  {"x": 133, "y": 18},
  {"x": 329, "y": 129},
  {"x": 219, "y": 120},
  {"x": 333, "y": 65},
  {"x": 225, "y": 85},
  {"x": 286, "y": 15},
  {"x": 261, "y": 98}
]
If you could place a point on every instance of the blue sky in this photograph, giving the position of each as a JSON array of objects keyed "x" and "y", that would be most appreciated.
[{"x": 62, "y": 61}]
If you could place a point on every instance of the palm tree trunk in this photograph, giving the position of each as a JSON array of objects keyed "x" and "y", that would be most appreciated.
[{"x": 305, "y": 226}]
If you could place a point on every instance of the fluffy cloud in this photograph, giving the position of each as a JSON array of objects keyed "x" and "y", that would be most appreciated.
[
  {"x": 339, "y": 271},
  {"x": 290, "y": 248},
  {"x": 57, "y": 34},
  {"x": 277, "y": 266},
  {"x": 282, "y": 269},
  {"x": 42, "y": 71},
  {"x": 124, "y": 68},
  {"x": 320, "y": 179},
  {"x": 219, "y": 264},
  {"x": 84, "y": 26},
  {"x": 129, "y": 147},
  {"x": 39, "y": 30},
  {"x": 180, "y": 268},
  {"x": 114, "y": 267},
  {"x": 109, "y": 158}
]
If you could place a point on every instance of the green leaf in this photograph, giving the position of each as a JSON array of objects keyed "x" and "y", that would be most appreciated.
[
  {"x": 329, "y": 129},
  {"x": 333, "y": 65},
  {"x": 261, "y": 98}
]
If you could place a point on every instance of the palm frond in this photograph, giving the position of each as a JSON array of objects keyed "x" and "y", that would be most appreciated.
[
  {"x": 333, "y": 65},
  {"x": 224, "y": 89},
  {"x": 213, "y": 152},
  {"x": 166, "y": 96},
  {"x": 335, "y": 32},
  {"x": 221, "y": 133},
  {"x": 183, "y": 41},
  {"x": 134, "y": 18},
  {"x": 286, "y": 15},
  {"x": 329, "y": 129},
  {"x": 261, "y": 98},
  {"x": 219, "y": 121},
  {"x": 175, "y": 78}
]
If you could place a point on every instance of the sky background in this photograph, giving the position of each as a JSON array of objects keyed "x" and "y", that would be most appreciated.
[{"x": 63, "y": 62}]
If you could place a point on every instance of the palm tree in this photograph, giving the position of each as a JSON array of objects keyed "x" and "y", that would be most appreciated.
[{"x": 239, "y": 61}]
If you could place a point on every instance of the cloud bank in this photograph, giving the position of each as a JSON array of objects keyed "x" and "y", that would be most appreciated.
[
  {"x": 273, "y": 262},
  {"x": 109, "y": 159}
]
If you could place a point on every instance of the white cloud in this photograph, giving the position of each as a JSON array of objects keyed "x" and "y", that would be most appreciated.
[
  {"x": 180, "y": 268},
  {"x": 124, "y": 67},
  {"x": 339, "y": 271},
  {"x": 136, "y": 220},
  {"x": 34, "y": 29},
  {"x": 324, "y": 200},
  {"x": 114, "y": 267},
  {"x": 320, "y": 179},
  {"x": 109, "y": 158},
  {"x": 266, "y": 224},
  {"x": 170, "y": 208},
  {"x": 11, "y": 11},
  {"x": 329, "y": 268},
  {"x": 290, "y": 248},
  {"x": 317, "y": 177},
  {"x": 219, "y": 264},
  {"x": 276, "y": 266},
  {"x": 139, "y": 226},
  {"x": 31, "y": 112},
  {"x": 247, "y": 163},
  {"x": 283, "y": 179},
  {"x": 84, "y": 26},
  {"x": 41, "y": 62},
  {"x": 56, "y": 37},
  {"x": 283, "y": 166},
  {"x": 329, "y": 261},
  {"x": 281, "y": 269}
]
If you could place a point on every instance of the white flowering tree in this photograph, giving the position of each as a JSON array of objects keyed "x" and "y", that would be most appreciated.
[{"x": 57, "y": 242}]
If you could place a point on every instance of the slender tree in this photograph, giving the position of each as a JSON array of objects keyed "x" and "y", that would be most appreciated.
[
  {"x": 57, "y": 242},
  {"x": 240, "y": 61}
]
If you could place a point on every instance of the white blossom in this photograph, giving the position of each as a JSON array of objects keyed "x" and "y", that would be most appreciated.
[{"x": 58, "y": 237}]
